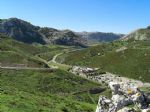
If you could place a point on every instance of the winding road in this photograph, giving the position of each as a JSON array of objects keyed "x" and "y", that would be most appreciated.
[{"x": 54, "y": 58}]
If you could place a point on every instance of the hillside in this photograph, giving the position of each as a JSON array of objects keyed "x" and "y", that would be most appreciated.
[
  {"x": 58, "y": 91},
  {"x": 141, "y": 34},
  {"x": 41, "y": 90},
  {"x": 15, "y": 53},
  {"x": 129, "y": 59}
]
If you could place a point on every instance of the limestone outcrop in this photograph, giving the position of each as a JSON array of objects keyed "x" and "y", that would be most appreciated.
[
  {"x": 125, "y": 98},
  {"x": 126, "y": 95}
]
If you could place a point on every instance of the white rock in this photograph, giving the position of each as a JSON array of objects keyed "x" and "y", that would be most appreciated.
[
  {"x": 114, "y": 86},
  {"x": 125, "y": 109}
]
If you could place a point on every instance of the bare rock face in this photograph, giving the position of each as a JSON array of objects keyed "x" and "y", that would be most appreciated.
[
  {"x": 62, "y": 37},
  {"x": 21, "y": 30},
  {"x": 123, "y": 95}
]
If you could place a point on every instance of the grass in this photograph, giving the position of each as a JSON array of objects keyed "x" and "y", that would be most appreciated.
[
  {"x": 29, "y": 90},
  {"x": 134, "y": 62},
  {"x": 26, "y": 102},
  {"x": 11, "y": 57},
  {"x": 59, "y": 65},
  {"x": 146, "y": 89},
  {"x": 48, "y": 55}
]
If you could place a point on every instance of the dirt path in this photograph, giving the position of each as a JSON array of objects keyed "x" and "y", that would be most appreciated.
[
  {"x": 54, "y": 58},
  {"x": 54, "y": 64},
  {"x": 26, "y": 68}
]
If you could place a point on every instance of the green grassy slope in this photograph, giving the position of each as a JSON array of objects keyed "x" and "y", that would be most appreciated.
[
  {"x": 11, "y": 57},
  {"x": 134, "y": 62},
  {"x": 14, "y": 52},
  {"x": 32, "y": 91},
  {"x": 41, "y": 91}
]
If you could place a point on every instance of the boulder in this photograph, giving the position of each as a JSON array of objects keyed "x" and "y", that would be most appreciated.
[{"x": 120, "y": 101}]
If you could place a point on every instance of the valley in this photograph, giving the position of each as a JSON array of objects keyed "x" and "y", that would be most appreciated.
[
  {"x": 132, "y": 62},
  {"x": 67, "y": 73}
]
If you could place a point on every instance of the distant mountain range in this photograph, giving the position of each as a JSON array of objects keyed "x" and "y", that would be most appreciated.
[
  {"x": 26, "y": 32},
  {"x": 100, "y": 36}
]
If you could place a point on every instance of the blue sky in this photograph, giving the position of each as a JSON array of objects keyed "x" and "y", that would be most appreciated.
[{"x": 119, "y": 16}]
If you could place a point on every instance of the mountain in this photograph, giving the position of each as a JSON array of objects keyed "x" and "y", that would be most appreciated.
[
  {"x": 100, "y": 36},
  {"x": 62, "y": 37},
  {"x": 21, "y": 30},
  {"x": 140, "y": 34},
  {"x": 26, "y": 32}
]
